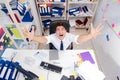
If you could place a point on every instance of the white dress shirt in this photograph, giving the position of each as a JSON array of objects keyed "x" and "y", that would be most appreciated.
[{"x": 66, "y": 41}]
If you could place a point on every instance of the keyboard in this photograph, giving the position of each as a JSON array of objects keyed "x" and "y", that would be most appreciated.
[{"x": 51, "y": 67}]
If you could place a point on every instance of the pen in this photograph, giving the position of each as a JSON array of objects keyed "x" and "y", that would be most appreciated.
[{"x": 36, "y": 53}]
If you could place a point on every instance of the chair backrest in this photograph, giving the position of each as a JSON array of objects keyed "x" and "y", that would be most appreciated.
[
  {"x": 54, "y": 23},
  {"x": 52, "y": 30}
]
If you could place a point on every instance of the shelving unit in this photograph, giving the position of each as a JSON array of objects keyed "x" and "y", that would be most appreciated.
[
  {"x": 49, "y": 10},
  {"x": 82, "y": 11},
  {"x": 22, "y": 14}
]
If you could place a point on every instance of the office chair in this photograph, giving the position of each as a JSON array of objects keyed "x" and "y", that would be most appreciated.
[{"x": 52, "y": 30}]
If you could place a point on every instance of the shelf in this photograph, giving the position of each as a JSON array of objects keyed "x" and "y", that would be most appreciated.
[
  {"x": 31, "y": 45},
  {"x": 83, "y": 2},
  {"x": 50, "y": 2}
]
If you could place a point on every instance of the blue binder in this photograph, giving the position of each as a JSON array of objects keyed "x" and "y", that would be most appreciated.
[
  {"x": 62, "y": 0},
  {"x": 46, "y": 23},
  {"x": 74, "y": 11},
  {"x": 45, "y": 11},
  {"x": 7, "y": 70},
  {"x": 28, "y": 16}
]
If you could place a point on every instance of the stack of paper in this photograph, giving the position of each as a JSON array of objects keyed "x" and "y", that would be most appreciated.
[{"x": 90, "y": 72}]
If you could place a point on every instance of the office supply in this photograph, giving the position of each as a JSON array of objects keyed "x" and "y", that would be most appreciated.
[
  {"x": 86, "y": 8},
  {"x": 10, "y": 18},
  {"x": 28, "y": 16},
  {"x": 64, "y": 77},
  {"x": 78, "y": 78},
  {"x": 74, "y": 11},
  {"x": 17, "y": 18},
  {"x": 79, "y": 22},
  {"x": 51, "y": 67},
  {"x": 7, "y": 71},
  {"x": 87, "y": 56},
  {"x": 62, "y": 0},
  {"x": 57, "y": 9},
  {"x": 46, "y": 23},
  {"x": 28, "y": 74},
  {"x": 90, "y": 72},
  {"x": 1, "y": 32},
  {"x": 72, "y": 77},
  {"x": 16, "y": 32}
]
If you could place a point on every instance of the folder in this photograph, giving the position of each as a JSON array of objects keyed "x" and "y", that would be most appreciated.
[
  {"x": 46, "y": 23},
  {"x": 17, "y": 18},
  {"x": 87, "y": 56},
  {"x": 16, "y": 32},
  {"x": 21, "y": 9},
  {"x": 14, "y": 4},
  {"x": 8, "y": 71},
  {"x": 1, "y": 32},
  {"x": 74, "y": 11},
  {"x": 57, "y": 9},
  {"x": 28, "y": 16},
  {"x": 45, "y": 11},
  {"x": 62, "y": 0}
]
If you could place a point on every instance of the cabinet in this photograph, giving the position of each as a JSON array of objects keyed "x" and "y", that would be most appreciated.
[
  {"x": 82, "y": 11},
  {"x": 49, "y": 10},
  {"x": 21, "y": 14}
]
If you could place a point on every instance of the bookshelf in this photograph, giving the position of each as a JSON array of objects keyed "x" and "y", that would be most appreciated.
[
  {"x": 50, "y": 10},
  {"x": 22, "y": 14},
  {"x": 82, "y": 11}
]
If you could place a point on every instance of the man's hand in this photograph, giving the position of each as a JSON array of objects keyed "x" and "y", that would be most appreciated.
[
  {"x": 28, "y": 34},
  {"x": 95, "y": 31}
]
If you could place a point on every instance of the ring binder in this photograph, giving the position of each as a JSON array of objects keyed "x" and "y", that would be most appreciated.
[{"x": 7, "y": 69}]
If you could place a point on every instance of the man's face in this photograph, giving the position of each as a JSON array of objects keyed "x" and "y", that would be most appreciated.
[{"x": 60, "y": 31}]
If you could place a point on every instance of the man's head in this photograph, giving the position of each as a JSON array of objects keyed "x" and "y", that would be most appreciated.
[
  {"x": 60, "y": 27},
  {"x": 60, "y": 31}
]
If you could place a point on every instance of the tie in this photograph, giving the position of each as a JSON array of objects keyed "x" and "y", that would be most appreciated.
[{"x": 61, "y": 46}]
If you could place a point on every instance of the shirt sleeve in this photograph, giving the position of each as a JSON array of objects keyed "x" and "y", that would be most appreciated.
[
  {"x": 48, "y": 39},
  {"x": 74, "y": 38}
]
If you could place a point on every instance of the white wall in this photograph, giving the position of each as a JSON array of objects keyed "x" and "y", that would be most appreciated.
[{"x": 107, "y": 52}]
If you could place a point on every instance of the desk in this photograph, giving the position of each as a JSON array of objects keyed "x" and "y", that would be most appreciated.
[{"x": 29, "y": 60}]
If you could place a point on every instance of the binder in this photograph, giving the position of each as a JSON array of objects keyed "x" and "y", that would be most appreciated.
[
  {"x": 46, "y": 23},
  {"x": 57, "y": 9},
  {"x": 8, "y": 71},
  {"x": 21, "y": 9},
  {"x": 28, "y": 16},
  {"x": 74, "y": 11},
  {"x": 16, "y": 32},
  {"x": 62, "y": 0},
  {"x": 87, "y": 56},
  {"x": 45, "y": 11},
  {"x": 17, "y": 18},
  {"x": 1, "y": 32}
]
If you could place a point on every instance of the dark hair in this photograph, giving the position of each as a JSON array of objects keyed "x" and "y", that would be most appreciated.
[
  {"x": 54, "y": 24},
  {"x": 61, "y": 24}
]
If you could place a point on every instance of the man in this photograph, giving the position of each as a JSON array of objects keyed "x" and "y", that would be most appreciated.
[{"x": 62, "y": 36}]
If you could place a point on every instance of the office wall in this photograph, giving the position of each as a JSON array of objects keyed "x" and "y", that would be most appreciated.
[{"x": 107, "y": 44}]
